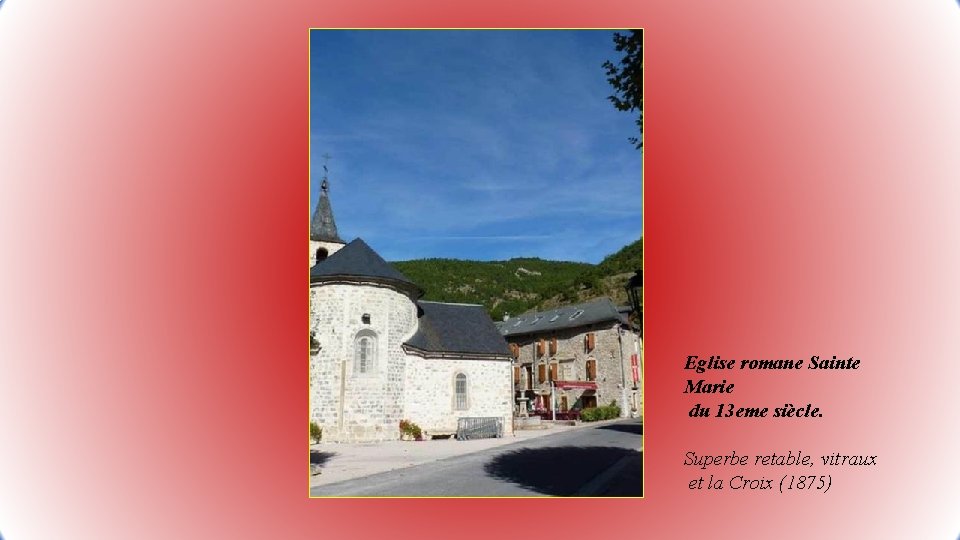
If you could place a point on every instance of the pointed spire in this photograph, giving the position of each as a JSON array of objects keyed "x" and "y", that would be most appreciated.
[{"x": 322, "y": 226}]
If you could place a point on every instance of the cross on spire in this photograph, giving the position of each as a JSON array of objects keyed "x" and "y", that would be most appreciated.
[
  {"x": 322, "y": 226},
  {"x": 324, "y": 185}
]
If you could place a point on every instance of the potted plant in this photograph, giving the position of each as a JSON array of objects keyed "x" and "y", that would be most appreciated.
[{"x": 410, "y": 431}]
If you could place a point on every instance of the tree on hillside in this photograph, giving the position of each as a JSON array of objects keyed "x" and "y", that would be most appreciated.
[{"x": 626, "y": 77}]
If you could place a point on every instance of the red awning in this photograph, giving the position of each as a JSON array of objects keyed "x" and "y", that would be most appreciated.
[{"x": 563, "y": 385}]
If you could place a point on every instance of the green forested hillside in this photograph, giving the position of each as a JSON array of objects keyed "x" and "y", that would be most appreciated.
[{"x": 520, "y": 285}]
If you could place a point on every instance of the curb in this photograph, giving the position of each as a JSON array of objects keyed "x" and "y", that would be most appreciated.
[{"x": 508, "y": 441}]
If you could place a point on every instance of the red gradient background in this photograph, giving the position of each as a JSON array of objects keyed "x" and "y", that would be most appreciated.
[{"x": 801, "y": 168}]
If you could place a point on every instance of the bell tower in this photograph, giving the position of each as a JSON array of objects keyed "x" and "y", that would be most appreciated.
[{"x": 324, "y": 240}]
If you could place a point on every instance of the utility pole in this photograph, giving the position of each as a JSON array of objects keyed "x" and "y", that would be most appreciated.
[{"x": 553, "y": 399}]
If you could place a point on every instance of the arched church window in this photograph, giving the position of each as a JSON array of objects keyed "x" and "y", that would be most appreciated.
[
  {"x": 365, "y": 357},
  {"x": 321, "y": 254},
  {"x": 460, "y": 383}
]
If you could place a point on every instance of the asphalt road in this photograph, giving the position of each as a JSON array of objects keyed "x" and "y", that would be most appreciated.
[{"x": 595, "y": 461}]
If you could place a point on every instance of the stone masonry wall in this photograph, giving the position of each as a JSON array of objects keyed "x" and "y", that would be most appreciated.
[
  {"x": 331, "y": 247},
  {"x": 613, "y": 368},
  {"x": 430, "y": 393},
  {"x": 371, "y": 405}
]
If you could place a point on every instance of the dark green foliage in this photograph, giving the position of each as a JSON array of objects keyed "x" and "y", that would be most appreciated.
[
  {"x": 591, "y": 414},
  {"x": 626, "y": 77},
  {"x": 513, "y": 286},
  {"x": 594, "y": 414},
  {"x": 409, "y": 428},
  {"x": 316, "y": 432},
  {"x": 628, "y": 259},
  {"x": 521, "y": 285}
]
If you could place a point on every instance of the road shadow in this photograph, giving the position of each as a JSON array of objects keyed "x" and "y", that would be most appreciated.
[
  {"x": 635, "y": 428},
  {"x": 627, "y": 483},
  {"x": 318, "y": 458},
  {"x": 565, "y": 470}
]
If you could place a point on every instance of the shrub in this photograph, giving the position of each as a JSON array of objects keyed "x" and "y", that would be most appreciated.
[
  {"x": 613, "y": 411},
  {"x": 410, "y": 428},
  {"x": 593, "y": 414},
  {"x": 315, "y": 432}
]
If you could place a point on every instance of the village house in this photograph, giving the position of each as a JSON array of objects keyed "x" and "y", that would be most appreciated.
[
  {"x": 379, "y": 354},
  {"x": 574, "y": 357}
]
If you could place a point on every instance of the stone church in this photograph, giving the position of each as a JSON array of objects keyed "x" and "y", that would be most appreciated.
[{"x": 379, "y": 354}]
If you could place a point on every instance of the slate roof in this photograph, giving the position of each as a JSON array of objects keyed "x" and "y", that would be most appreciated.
[
  {"x": 357, "y": 260},
  {"x": 592, "y": 312},
  {"x": 457, "y": 329},
  {"x": 322, "y": 226}
]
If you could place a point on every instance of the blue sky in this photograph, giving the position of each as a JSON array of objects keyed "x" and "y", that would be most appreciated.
[{"x": 482, "y": 145}]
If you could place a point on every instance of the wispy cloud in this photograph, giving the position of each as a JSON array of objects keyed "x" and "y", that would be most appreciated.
[
  {"x": 507, "y": 238},
  {"x": 453, "y": 141}
]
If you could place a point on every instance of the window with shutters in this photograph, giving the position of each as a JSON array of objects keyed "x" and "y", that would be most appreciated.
[
  {"x": 591, "y": 370},
  {"x": 553, "y": 371},
  {"x": 542, "y": 373},
  {"x": 460, "y": 384},
  {"x": 553, "y": 346},
  {"x": 567, "y": 371},
  {"x": 365, "y": 353}
]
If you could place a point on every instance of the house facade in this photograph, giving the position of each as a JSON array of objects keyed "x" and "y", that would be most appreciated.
[
  {"x": 379, "y": 354},
  {"x": 575, "y": 357}
]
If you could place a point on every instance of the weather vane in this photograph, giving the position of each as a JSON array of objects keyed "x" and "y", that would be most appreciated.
[
  {"x": 323, "y": 185},
  {"x": 326, "y": 158}
]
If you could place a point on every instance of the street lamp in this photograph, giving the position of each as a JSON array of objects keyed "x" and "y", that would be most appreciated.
[{"x": 635, "y": 293}]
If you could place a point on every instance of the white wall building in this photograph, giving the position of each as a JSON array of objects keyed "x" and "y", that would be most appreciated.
[{"x": 380, "y": 355}]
